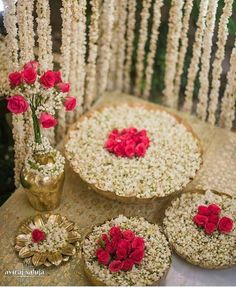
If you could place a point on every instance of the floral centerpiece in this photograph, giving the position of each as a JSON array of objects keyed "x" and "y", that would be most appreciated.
[
  {"x": 126, "y": 251},
  {"x": 201, "y": 228},
  {"x": 43, "y": 94}
]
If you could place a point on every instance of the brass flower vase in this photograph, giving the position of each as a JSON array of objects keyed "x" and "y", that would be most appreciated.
[{"x": 43, "y": 191}]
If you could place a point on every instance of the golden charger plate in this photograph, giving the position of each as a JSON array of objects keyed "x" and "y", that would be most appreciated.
[
  {"x": 189, "y": 257},
  {"x": 95, "y": 280},
  {"x": 110, "y": 194},
  {"x": 52, "y": 255}
]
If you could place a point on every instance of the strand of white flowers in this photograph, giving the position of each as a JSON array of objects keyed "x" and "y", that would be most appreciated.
[
  {"x": 228, "y": 101},
  {"x": 66, "y": 15},
  {"x": 81, "y": 51},
  {"x": 197, "y": 48},
  {"x": 121, "y": 39},
  {"x": 183, "y": 45},
  {"x": 74, "y": 41},
  {"x": 104, "y": 48},
  {"x": 114, "y": 49},
  {"x": 153, "y": 46},
  {"x": 205, "y": 59},
  {"x": 26, "y": 45},
  {"x": 217, "y": 64},
  {"x": 90, "y": 80},
  {"x": 45, "y": 55},
  {"x": 173, "y": 37},
  {"x": 143, "y": 36},
  {"x": 129, "y": 44},
  {"x": 10, "y": 22}
]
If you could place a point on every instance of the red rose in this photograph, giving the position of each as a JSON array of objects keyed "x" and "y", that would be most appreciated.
[
  {"x": 140, "y": 150},
  {"x": 115, "y": 265},
  {"x": 115, "y": 232},
  {"x": 111, "y": 247},
  {"x": 128, "y": 264},
  {"x": 58, "y": 78},
  {"x": 119, "y": 150},
  {"x": 121, "y": 253},
  {"x": 142, "y": 133},
  {"x": 213, "y": 218},
  {"x": 47, "y": 120},
  {"x": 124, "y": 244},
  {"x": 17, "y": 104},
  {"x": 200, "y": 220},
  {"x": 63, "y": 87},
  {"x": 138, "y": 243},
  {"x": 103, "y": 257},
  {"x": 110, "y": 144},
  {"x": 32, "y": 64},
  {"x": 210, "y": 228},
  {"x": 29, "y": 75},
  {"x": 130, "y": 150},
  {"x": 15, "y": 79},
  {"x": 214, "y": 208},
  {"x": 132, "y": 131},
  {"x": 225, "y": 224},
  {"x": 145, "y": 141},
  {"x": 38, "y": 235},
  {"x": 70, "y": 103},
  {"x": 137, "y": 255},
  {"x": 47, "y": 80},
  {"x": 128, "y": 234},
  {"x": 105, "y": 238},
  {"x": 203, "y": 210}
]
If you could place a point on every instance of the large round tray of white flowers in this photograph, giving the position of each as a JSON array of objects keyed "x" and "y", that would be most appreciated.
[
  {"x": 126, "y": 251},
  {"x": 133, "y": 152},
  {"x": 200, "y": 226}
]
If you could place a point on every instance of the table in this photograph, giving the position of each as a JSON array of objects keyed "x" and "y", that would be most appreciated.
[{"x": 87, "y": 208}]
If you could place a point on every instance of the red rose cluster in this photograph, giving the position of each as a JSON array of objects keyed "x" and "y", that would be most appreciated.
[
  {"x": 120, "y": 250},
  {"x": 18, "y": 104},
  {"x": 208, "y": 217},
  {"x": 128, "y": 142},
  {"x": 38, "y": 235}
]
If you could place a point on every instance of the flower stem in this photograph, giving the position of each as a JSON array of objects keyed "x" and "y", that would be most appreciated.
[{"x": 37, "y": 132}]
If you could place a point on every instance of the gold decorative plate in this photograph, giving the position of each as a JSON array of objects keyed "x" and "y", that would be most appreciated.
[
  {"x": 60, "y": 243},
  {"x": 70, "y": 155}
]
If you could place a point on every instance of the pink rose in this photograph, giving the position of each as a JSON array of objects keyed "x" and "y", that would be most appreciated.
[
  {"x": 128, "y": 234},
  {"x": 58, "y": 78},
  {"x": 38, "y": 235},
  {"x": 200, "y": 220},
  {"x": 29, "y": 75},
  {"x": 63, "y": 87},
  {"x": 130, "y": 150},
  {"x": 115, "y": 265},
  {"x": 137, "y": 255},
  {"x": 70, "y": 103},
  {"x": 32, "y": 64},
  {"x": 47, "y": 120},
  {"x": 225, "y": 224},
  {"x": 121, "y": 253},
  {"x": 210, "y": 228},
  {"x": 15, "y": 79},
  {"x": 103, "y": 256},
  {"x": 47, "y": 80},
  {"x": 140, "y": 150},
  {"x": 128, "y": 264},
  {"x": 17, "y": 104},
  {"x": 138, "y": 243}
]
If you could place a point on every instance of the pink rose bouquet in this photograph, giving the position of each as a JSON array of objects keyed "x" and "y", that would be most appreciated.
[{"x": 43, "y": 93}]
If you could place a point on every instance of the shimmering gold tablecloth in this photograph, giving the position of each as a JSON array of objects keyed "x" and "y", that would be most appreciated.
[{"x": 87, "y": 208}]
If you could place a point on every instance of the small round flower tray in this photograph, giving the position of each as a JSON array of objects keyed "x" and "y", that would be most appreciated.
[
  {"x": 151, "y": 269},
  {"x": 207, "y": 246},
  {"x": 171, "y": 161},
  {"x": 47, "y": 239}
]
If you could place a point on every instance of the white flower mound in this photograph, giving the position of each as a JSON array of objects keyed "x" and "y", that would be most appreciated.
[
  {"x": 171, "y": 160},
  {"x": 156, "y": 261},
  {"x": 214, "y": 251}
]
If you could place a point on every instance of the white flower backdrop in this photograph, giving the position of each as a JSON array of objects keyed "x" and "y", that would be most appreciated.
[{"x": 97, "y": 48}]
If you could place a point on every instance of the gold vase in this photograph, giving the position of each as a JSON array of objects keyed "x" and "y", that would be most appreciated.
[{"x": 43, "y": 192}]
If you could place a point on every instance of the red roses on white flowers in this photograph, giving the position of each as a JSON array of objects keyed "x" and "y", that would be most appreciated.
[
  {"x": 47, "y": 121},
  {"x": 128, "y": 142},
  {"x": 120, "y": 250},
  {"x": 17, "y": 104},
  {"x": 38, "y": 235},
  {"x": 70, "y": 103},
  {"x": 208, "y": 217}
]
